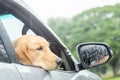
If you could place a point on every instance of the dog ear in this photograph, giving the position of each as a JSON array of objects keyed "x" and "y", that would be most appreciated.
[{"x": 25, "y": 52}]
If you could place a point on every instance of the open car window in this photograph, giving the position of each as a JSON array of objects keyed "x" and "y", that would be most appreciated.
[
  {"x": 13, "y": 26},
  {"x": 16, "y": 28}
]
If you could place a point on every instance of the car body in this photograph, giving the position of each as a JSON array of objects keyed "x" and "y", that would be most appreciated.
[{"x": 17, "y": 19}]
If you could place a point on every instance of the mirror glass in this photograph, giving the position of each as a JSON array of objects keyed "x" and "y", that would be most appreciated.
[{"x": 93, "y": 54}]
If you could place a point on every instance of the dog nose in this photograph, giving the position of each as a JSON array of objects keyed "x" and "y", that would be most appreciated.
[{"x": 59, "y": 61}]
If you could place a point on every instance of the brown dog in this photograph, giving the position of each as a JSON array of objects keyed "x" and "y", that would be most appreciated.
[{"x": 34, "y": 50}]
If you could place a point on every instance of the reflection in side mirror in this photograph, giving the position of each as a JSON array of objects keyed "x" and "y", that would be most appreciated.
[{"x": 93, "y": 54}]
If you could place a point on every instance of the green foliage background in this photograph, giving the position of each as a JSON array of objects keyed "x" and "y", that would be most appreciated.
[{"x": 101, "y": 24}]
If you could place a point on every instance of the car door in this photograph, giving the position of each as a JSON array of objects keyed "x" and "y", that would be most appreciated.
[
  {"x": 9, "y": 72},
  {"x": 31, "y": 72}
]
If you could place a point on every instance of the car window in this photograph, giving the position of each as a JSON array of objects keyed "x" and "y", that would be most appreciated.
[
  {"x": 3, "y": 53},
  {"x": 13, "y": 26},
  {"x": 30, "y": 32}
]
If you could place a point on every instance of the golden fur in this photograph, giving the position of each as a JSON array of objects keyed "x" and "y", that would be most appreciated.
[{"x": 34, "y": 50}]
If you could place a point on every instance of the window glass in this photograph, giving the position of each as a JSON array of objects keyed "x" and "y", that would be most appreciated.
[
  {"x": 12, "y": 25},
  {"x": 30, "y": 32}
]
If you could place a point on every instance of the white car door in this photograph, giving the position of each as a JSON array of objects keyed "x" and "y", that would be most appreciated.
[
  {"x": 9, "y": 72},
  {"x": 31, "y": 73}
]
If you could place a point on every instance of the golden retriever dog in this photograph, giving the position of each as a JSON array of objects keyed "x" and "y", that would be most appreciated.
[{"x": 34, "y": 50}]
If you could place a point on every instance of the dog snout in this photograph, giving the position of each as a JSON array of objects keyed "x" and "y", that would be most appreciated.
[{"x": 59, "y": 61}]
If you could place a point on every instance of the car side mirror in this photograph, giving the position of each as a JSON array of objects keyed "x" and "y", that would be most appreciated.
[{"x": 94, "y": 54}]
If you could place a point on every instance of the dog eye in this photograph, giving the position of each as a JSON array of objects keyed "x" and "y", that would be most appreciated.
[{"x": 40, "y": 48}]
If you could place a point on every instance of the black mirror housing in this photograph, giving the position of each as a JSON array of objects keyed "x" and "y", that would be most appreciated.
[{"x": 93, "y": 54}]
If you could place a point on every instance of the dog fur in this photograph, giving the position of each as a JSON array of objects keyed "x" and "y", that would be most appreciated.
[{"x": 34, "y": 50}]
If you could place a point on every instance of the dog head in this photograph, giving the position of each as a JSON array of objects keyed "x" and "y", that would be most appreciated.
[{"x": 35, "y": 50}]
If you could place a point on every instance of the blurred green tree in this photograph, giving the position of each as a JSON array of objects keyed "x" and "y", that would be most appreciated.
[{"x": 101, "y": 24}]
